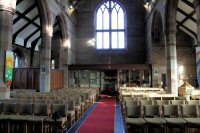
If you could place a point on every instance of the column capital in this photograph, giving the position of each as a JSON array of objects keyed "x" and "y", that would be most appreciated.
[
  {"x": 6, "y": 8},
  {"x": 46, "y": 34},
  {"x": 47, "y": 30},
  {"x": 8, "y": 5}
]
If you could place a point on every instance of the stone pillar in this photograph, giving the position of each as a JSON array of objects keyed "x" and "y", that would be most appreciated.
[
  {"x": 66, "y": 76},
  {"x": 7, "y": 9},
  {"x": 63, "y": 61},
  {"x": 45, "y": 63},
  {"x": 197, "y": 6},
  {"x": 172, "y": 74}
]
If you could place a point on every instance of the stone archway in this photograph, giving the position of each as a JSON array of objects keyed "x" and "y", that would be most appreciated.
[
  {"x": 59, "y": 42},
  {"x": 158, "y": 51}
]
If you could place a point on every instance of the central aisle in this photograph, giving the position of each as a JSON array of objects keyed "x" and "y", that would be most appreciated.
[{"x": 102, "y": 119}]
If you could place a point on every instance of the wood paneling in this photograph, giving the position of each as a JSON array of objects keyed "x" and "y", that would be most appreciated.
[
  {"x": 57, "y": 79},
  {"x": 29, "y": 78}
]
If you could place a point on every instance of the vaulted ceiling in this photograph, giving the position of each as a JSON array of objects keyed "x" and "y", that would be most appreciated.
[{"x": 186, "y": 18}]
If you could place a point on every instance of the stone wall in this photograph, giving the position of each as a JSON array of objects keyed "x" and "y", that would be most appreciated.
[
  {"x": 24, "y": 57},
  {"x": 185, "y": 56},
  {"x": 135, "y": 52}
]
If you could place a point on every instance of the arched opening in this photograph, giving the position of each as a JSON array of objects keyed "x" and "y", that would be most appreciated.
[
  {"x": 158, "y": 51},
  {"x": 56, "y": 43}
]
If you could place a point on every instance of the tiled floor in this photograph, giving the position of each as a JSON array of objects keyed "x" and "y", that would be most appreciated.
[{"x": 119, "y": 123}]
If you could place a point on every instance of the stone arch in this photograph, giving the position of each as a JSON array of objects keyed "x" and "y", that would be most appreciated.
[
  {"x": 157, "y": 28},
  {"x": 45, "y": 13},
  {"x": 158, "y": 50},
  {"x": 63, "y": 25},
  {"x": 59, "y": 41}
]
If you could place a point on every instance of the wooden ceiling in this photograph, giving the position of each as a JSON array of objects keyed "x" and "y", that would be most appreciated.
[
  {"x": 186, "y": 18},
  {"x": 27, "y": 24}
]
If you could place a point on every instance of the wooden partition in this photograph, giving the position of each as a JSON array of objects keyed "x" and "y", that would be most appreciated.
[
  {"x": 29, "y": 78},
  {"x": 57, "y": 79}
]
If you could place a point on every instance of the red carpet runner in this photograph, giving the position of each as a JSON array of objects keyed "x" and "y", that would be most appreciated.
[{"x": 102, "y": 119}]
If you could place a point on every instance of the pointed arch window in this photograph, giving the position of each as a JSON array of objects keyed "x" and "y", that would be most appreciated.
[{"x": 110, "y": 26}]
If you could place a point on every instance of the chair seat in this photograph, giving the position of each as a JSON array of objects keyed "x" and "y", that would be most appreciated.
[
  {"x": 19, "y": 117},
  {"x": 156, "y": 121},
  {"x": 135, "y": 121},
  {"x": 37, "y": 118},
  {"x": 175, "y": 121},
  {"x": 4, "y": 117},
  {"x": 195, "y": 121}
]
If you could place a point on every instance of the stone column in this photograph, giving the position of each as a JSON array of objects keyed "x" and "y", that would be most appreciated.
[
  {"x": 45, "y": 63},
  {"x": 63, "y": 61},
  {"x": 66, "y": 76},
  {"x": 197, "y": 6},
  {"x": 7, "y": 9},
  {"x": 172, "y": 77}
]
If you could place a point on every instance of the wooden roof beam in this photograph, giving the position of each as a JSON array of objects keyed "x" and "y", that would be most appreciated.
[
  {"x": 24, "y": 13},
  {"x": 25, "y": 26}
]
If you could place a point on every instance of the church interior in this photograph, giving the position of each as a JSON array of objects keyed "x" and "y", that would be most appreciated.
[{"x": 104, "y": 66}]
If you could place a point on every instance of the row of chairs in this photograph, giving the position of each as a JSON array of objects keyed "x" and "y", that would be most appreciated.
[
  {"x": 76, "y": 100},
  {"x": 162, "y": 117},
  {"x": 160, "y": 102},
  {"x": 75, "y": 107},
  {"x": 82, "y": 101},
  {"x": 140, "y": 97},
  {"x": 28, "y": 117}
]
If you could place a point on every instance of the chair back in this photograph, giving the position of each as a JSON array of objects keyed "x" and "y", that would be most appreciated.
[
  {"x": 146, "y": 102},
  {"x": 40, "y": 109},
  {"x": 151, "y": 111},
  {"x": 162, "y": 102},
  {"x": 189, "y": 111},
  {"x": 9, "y": 108},
  {"x": 170, "y": 110},
  {"x": 133, "y": 111},
  {"x": 177, "y": 102},
  {"x": 193, "y": 102},
  {"x": 59, "y": 108},
  {"x": 131, "y": 102},
  {"x": 25, "y": 109}
]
